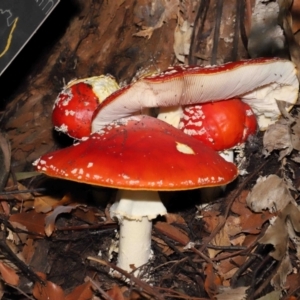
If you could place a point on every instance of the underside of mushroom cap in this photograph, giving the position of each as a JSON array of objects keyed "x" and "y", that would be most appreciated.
[
  {"x": 185, "y": 85},
  {"x": 139, "y": 153}
]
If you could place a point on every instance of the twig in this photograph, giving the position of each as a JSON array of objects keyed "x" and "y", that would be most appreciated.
[
  {"x": 143, "y": 285},
  {"x": 37, "y": 190},
  {"x": 100, "y": 290},
  {"x": 170, "y": 262}
]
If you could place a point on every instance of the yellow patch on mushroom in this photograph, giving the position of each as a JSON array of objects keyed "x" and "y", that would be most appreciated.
[{"x": 183, "y": 148}]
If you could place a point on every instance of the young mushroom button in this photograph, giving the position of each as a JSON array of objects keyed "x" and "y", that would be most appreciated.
[
  {"x": 139, "y": 155},
  {"x": 76, "y": 103},
  {"x": 221, "y": 125}
]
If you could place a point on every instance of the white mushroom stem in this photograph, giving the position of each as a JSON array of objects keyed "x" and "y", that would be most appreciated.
[
  {"x": 134, "y": 211},
  {"x": 134, "y": 243},
  {"x": 170, "y": 115},
  {"x": 228, "y": 155}
]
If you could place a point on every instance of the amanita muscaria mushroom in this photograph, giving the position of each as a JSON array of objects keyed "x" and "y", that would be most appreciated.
[
  {"x": 76, "y": 103},
  {"x": 221, "y": 125},
  {"x": 139, "y": 155},
  {"x": 258, "y": 82}
]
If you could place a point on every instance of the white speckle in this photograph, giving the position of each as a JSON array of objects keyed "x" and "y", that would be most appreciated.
[
  {"x": 80, "y": 171},
  {"x": 97, "y": 177},
  {"x": 50, "y": 157},
  {"x": 63, "y": 128},
  {"x": 133, "y": 182},
  {"x": 249, "y": 112},
  {"x": 125, "y": 176},
  {"x": 197, "y": 124},
  {"x": 64, "y": 97},
  {"x": 69, "y": 112},
  {"x": 35, "y": 163},
  {"x": 42, "y": 162},
  {"x": 193, "y": 131},
  {"x": 74, "y": 171},
  {"x": 44, "y": 169},
  {"x": 183, "y": 148},
  {"x": 90, "y": 164}
]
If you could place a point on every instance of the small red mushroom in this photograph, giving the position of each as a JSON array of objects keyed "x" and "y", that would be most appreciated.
[
  {"x": 76, "y": 103},
  {"x": 139, "y": 156},
  {"x": 220, "y": 125}
]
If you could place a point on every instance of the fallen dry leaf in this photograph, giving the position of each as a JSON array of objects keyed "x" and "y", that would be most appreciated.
[
  {"x": 21, "y": 196},
  {"x": 33, "y": 221},
  {"x": 229, "y": 264},
  {"x": 212, "y": 281},
  {"x": 48, "y": 291},
  {"x": 165, "y": 249},
  {"x": 81, "y": 292},
  {"x": 228, "y": 293},
  {"x": 9, "y": 275},
  {"x": 211, "y": 219},
  {"x": 86, "y": 215},
  {"x": 275, "y": 295},
  {"x": 278, "y": 136},
  {"x": 220, "y": 239},
  {"x": 116, "y": 293},
  {"x": 279, "y": 231},
  {"x": 285, "y": 268},
  {"x": 172, "y": 232},
  {"x": 292, "y": 281},
  {"x": 249, "y": 222},
  {"x": 276, "y": 235},
  {"x": 50, "y": 219},
  {"x": 44, "y": 204},
  {"x": 174, "y": 218},
  {"x": 270, "y": 192},
  {"x": 28, "y": 250}
]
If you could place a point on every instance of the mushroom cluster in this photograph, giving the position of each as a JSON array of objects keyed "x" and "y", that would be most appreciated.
[{"x": 139, "y": 155}]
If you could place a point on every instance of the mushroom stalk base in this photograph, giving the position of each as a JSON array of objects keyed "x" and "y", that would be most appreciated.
[
  {"x": 134, "y": 211},
  {"x": 134, "y": 243}
]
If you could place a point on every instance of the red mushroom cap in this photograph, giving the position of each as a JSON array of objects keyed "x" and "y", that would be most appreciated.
[
  {"x": 76, "y": 103},
  {"x": 139, "y": 153},
  {"x": 73, "y": 110},
  {"x": 220, "y": 125}
]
